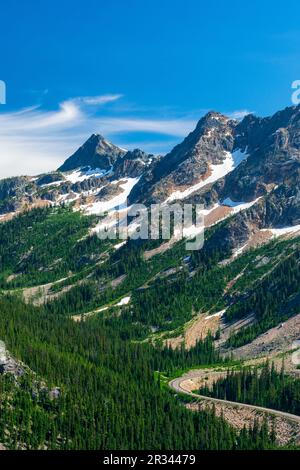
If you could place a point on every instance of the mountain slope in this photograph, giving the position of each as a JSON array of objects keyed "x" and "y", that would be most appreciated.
[
  {"x": 98, "y": 318},
  {"x": 246, "y": 174}
]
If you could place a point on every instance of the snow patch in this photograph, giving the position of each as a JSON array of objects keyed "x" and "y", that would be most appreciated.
[
  {"x": 218, "y": 314},
  {"x": 124, "y": 301},
  {"x": 231, "y": 161},
  {"x": 81, "y": 174},
  {"x": 278, "y": 232},
  {"x": 54, "y": 183}
]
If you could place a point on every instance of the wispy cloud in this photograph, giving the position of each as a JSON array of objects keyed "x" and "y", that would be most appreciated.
[
  {"x": 35, "y": 140},
  {"x": 239, "y": 114},
  {"x": 172, "y": 127},
  {"x": 97, "y": 100}
]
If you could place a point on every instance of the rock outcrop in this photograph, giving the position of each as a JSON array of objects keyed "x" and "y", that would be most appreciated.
[{"x": 8, "y": 365}]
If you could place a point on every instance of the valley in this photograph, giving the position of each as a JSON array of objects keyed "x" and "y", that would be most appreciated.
[{"x": 109, "y": 322}]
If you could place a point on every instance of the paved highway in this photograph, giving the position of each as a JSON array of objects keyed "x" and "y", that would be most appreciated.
[{"x": 177, "y": 385}]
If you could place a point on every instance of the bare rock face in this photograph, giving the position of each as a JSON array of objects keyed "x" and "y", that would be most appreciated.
[
  {"x": 12, "y": 191},
  {"x": 11, "y": 187},
  {"x": 108, "y": 192},
  {"x": 96, "y": 152},
  {"x": 189, "y": 162},
  {"x": 133, "y": 164},
  {"x": 273, "y": 148},
  {"x": 8, "y": 364}
]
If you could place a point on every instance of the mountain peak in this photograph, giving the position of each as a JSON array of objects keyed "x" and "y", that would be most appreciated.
[
  {"x": 95, "y": 138},
  {"x": 216, "y": 115},
  {"x": 213, "y": 117},
  {"x": 96, "y": 152}
]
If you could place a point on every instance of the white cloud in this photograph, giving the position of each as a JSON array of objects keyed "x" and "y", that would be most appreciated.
[
  {"x": 239, "y": 114},
  {"x": 34, "y": 119},
  {"x": 34, "y": 140},
  {"x": 96, "y": 100},
  {"x": 174, "y": 127}
]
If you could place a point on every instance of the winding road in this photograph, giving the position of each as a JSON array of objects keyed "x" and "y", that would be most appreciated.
[{"x": 178, "y": 385}]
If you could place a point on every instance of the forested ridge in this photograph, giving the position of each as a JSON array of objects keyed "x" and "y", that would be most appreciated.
[{"x": 110, "y": 398}]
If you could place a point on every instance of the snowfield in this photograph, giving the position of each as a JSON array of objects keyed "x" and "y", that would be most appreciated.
[
  {"x": 231, "y": 161},
  {"x": 118, "y": 202},
  {"x": 81, "y": 174}
]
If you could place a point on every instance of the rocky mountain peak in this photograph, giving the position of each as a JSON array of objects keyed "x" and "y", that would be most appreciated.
[
  {"x": 211, "y": 135},
  {"x": 189, "y": 162},
  {"x": 96, "y": 152},
  {"x": 212, "y": 118}
]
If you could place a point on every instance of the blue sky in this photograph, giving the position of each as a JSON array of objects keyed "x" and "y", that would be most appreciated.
[{"x": 139, "y": 72}]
